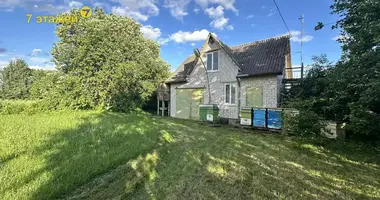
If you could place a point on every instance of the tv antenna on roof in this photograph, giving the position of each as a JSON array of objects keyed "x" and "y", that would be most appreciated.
[{"x": 302, "y": 18}]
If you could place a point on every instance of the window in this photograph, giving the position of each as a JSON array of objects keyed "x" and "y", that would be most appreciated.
[
  {"x": 213, "y": 61},
  {"x": 230, "y": 93}
]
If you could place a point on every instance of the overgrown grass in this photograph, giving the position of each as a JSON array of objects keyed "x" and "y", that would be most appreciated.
[
  {"x": 94, "y": 155},
  {"x": 22, "y": 106}
]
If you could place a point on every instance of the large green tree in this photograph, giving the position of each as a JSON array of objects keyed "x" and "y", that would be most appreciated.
[
  {"x": 107, "y": 62},
  {"x": 15, "y": 80},
  {"x": 349, "y": 91},
  {"x": 355, "y": 82}
]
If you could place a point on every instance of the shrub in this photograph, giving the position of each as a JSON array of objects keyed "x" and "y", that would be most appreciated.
[
  {"x": 364, "y": 123},
  {"x": 303, "y": 123},
  {"x": 16, "y": 107}
]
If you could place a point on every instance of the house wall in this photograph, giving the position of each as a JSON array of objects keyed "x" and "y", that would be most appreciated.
[
  {"x": 279, "y": 89},
  {"x": 226, "y": 74},
  {"x": 173, "y": 98},
  {"x": 270, "y": 87}
]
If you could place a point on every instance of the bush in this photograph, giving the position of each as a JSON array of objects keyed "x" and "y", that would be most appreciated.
[
  {"x": 302, "y": 123},
  {"x": 364, "y": 123},
  {"x": 16, "y": 107}
]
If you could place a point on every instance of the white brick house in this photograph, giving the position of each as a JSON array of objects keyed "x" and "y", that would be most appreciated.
[{"x": 248, "y": 75}]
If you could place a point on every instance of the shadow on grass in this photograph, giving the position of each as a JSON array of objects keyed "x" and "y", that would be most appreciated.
[
  {"x": 115, "y": 156},
  {"x": 100, "y": 143},
  {"x": 224, "y": 163}
]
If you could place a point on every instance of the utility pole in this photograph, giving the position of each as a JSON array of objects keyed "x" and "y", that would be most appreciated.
[{"x": 302, "y": 33}]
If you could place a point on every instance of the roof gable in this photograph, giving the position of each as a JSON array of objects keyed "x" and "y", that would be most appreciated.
[
  {"x": 185, "y": 69},
  {"x": 256, "y": 58}
]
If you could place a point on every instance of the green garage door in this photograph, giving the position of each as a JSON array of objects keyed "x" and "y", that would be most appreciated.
[
  {"x": 187, "y": 103},
  {"x": 254, "y": 97}
]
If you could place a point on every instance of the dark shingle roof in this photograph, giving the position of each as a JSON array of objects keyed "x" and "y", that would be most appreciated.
[
  {"x": 262, "y": 57},
  {"x": 184, "y": 70},
  {"x": 255, "y": 58}
]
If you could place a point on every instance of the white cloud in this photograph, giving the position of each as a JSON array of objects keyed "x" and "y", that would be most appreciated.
[
  {"x": 39, "y": 60},
  {"x": 177, "y": 8},
  {"x": 192, "y": 44},
  {"x": 9, "y": 3},
  {"x": 103, "y": 5},
  {"x": 250, "y": 16},
  {"x": 215, "y": 13},
  {"x": 138, "y": 9},
  {"x": 146, "y": 6},
  {"x": 219, "y": 23},
  {"x": 75, "y": 4},
  {"x": 183, "y": 37},
  {"x": 49, "y": 66},
  {"x": 296, "y": 36},
  {"x": 3, "y": 64},
  {"x": 36, "y": 52},
  {"x": 342, "y": 38},
  {"x": 227, "y": 4},
  {"x": 150, "y": 32},
  {"x": 126, "y": 12},
  {"x": 163, "y": 41},
  {"x": 271, "y": 12},
  {"x": 196, "y": 10},
  {"x": 40, "y": 5}
]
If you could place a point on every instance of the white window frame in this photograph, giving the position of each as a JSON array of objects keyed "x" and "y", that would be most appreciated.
[
  {"x": 212, "y": 61},
  {"x": 225, "y": 95}
]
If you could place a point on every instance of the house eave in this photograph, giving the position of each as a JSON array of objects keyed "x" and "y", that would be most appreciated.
[
  {"x": 261, "y": 74},
  {"x": 176, "y": 81}
]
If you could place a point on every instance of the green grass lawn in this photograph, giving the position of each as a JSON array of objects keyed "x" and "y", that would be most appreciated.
[{"x": 94, "y": 155}]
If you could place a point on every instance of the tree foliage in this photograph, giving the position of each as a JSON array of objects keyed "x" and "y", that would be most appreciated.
[
  {"x": 107, "y": 62},
  {"x": 349, "y": 91},
  {"x": 15, "y": 80},
  {"x": 357, "y": 75}
]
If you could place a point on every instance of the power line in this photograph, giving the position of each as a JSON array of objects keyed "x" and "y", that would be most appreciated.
[{"x": 278, "y": 9}]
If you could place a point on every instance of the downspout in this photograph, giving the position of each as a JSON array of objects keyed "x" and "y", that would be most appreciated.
[
  {"x": 198, "y": 55},
  {"x": 239, "y": 95},
  {"x": 208, "y": 81}
]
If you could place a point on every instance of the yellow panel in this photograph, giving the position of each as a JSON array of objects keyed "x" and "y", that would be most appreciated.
[
  {"x": 187, "y": 103},
  {"x": 254, "y": 97},
  {"x": 182, "y": 104},
  {"x": 196, "y": 100}
]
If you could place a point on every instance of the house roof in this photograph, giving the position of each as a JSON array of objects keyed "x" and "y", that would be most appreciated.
[
  {"x": 183, "y": 70},
  {"x": 256, "y": 58},
  {"x": 262, "y": 57}
]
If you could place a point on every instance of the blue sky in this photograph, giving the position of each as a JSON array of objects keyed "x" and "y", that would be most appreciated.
[{"x": 178, "y": 25}]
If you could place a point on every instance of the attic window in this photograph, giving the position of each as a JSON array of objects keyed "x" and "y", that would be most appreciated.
[
  {"x": 213, "y": 61},
  {"x": 211, "y": 40}
]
